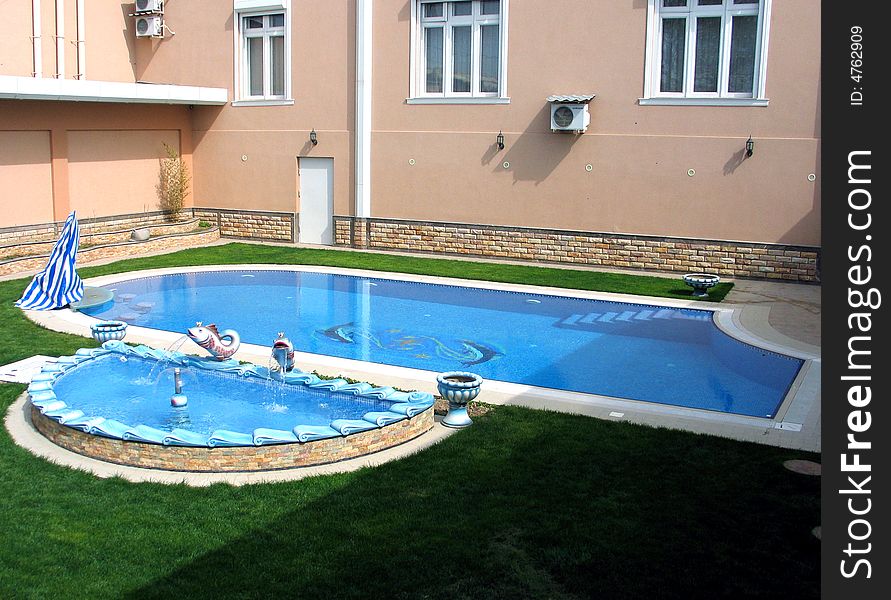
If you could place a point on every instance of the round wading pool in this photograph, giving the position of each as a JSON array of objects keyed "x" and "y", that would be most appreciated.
[{"x": 114, "y": 404}]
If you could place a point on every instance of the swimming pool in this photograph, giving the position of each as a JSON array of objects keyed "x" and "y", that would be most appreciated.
[{"x": 674, "y": 356}]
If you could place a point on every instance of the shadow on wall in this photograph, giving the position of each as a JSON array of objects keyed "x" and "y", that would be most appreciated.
[
  {"x": 129, "y": 33},
  {"x": 735, "y": 160},
  {"x": 535, "y": 153}
]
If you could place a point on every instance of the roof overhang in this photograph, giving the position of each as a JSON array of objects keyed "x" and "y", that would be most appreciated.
[{"x": 85, "y": 90}]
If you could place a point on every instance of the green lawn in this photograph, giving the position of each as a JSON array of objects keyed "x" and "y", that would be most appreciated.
[{"x": 524, "y": 504}]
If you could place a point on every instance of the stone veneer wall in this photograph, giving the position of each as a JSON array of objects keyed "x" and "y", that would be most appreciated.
[
  {"x": 44, "y": 247},
  {"x": 125, "y": 250},
  {"x": 254, "y": 458},
  {"x": 732, "y": 259},
  {"x": 251, "y": 224},
  {"x": 88, "y": 226}
]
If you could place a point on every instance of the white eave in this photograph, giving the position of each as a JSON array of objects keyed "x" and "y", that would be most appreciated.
[{"x": 45, "y": 88}]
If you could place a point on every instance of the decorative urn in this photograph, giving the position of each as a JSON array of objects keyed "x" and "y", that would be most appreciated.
[
  {"x": 104, "y": 331},
  {"x": 701, "y": 283},
  {"x": 459, "y": 388}
]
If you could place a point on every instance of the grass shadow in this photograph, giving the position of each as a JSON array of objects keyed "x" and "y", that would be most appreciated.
[{"x": 529, "y": 504}]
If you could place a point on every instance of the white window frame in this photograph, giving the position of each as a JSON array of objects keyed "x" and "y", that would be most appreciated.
[
  {"x": 417, "y": 79},
  {"x": 260, "y": 8},
  {"x": 727, "y": 10}
]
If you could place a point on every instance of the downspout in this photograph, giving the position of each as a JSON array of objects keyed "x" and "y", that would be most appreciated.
[
  {"x": 35, "y": 38},
  {"x": 81, "y": 42},
  {"x": 364, "y": 9},
  {"x": 60, "y": 39}
]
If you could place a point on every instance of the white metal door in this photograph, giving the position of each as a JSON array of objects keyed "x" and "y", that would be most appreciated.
[{"x": 316, "y": 200}]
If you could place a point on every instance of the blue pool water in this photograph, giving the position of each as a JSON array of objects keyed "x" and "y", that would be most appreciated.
[
  {"x": 638, "y": 352},
  {"x": 137, "y": 391}
]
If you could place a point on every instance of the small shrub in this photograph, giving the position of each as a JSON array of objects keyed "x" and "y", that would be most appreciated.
[{"x": 173, "y": 183}]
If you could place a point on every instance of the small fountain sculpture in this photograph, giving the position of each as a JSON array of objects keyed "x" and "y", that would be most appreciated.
[
  {"x": 178, "y": 399},
  {"x": 222, "y": 345},
  {"x": 283, "y": 353}
]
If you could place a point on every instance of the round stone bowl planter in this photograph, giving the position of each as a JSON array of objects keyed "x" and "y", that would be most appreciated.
[
  {"x": 701, "y": 283},
  {"x": 104, "y": 331},
  {"x": 459, "y": 388}
]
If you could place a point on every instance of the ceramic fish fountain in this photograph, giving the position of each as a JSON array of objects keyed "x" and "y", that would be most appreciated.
[{"x": 221, "y": 345}]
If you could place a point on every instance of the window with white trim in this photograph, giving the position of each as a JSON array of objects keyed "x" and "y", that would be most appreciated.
[
  {"x": 264, "y": 64},
  {"x": 707, "y": 49},
  {"x": 459, "y": 49}
]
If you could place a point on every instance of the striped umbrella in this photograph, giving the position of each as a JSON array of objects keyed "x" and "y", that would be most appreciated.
[{"x": 58, "y": 284}]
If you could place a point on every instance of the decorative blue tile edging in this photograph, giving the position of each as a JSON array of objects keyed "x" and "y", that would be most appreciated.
[{"x": 406, "y": 404}]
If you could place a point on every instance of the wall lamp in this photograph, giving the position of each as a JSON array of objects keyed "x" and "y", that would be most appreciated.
[
  {"x": 750, "y": 147},
  {"x": 314, "y": 138},
  {"x": 499, "y": 140}
]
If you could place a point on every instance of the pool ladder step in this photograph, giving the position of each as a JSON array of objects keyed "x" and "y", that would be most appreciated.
[
  {"x": 631, "y": 316},
  {"x": 611, "y": 317}
]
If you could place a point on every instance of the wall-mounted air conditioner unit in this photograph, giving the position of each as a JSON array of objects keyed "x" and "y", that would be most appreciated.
[
  {"x": 149, "y": 26},
  {"x": 570, "y": 113},
  {"x": 149, "y": 6}
]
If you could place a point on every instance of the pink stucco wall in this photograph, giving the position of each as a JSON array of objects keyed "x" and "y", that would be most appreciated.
[
  {"x": 639, "y": 155},
  {"x": 26, "y": 177},
  {"x": 108, "y": 39},
  {"x": 98, "y": 159},
  {"x": 114, "y": 172}
]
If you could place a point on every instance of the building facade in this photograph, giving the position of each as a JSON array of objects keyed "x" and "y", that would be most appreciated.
[{"x": 380, "y": 123}]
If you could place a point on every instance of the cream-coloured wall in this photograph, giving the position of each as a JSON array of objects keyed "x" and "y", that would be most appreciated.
[
  {"x": 26, "y": 178},
  {"x": 115, "y": 172},
  {"x": 639, "y": 154}
]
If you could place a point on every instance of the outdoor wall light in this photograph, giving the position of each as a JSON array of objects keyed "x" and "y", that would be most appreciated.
[
  {"x": 750, "y": 147},
  {"x": 499, "y": 140},
  {"x": 314, "y": 138}
]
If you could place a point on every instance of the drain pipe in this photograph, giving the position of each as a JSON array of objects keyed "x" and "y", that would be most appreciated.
[
  {"x": 60, "y": 39},
  {"x": 81, "y": 42},
  {"x": 35, "y": 38},
  {"x": 364, "y": 9}
]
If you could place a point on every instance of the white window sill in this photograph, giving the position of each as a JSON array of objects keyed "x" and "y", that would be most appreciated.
[
  {"x": 463, "y": 100},
  {"x": 262, "y": 102},
  {"x": 703, "y": 101}
]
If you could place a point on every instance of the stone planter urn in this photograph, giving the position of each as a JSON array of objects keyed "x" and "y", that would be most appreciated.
[
  {"x": 104, "y": 331},
  {"x": 459, "y": 388},
  {"x": 701, "y": 283}
]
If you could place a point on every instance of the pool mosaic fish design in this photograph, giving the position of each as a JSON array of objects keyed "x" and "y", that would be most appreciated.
[{"x": 468, "y": 352}]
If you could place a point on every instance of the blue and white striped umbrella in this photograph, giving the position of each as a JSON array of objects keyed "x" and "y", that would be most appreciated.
[{"x": 58, "y": 284}]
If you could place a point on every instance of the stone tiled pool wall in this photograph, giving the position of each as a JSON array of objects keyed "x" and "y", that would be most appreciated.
[{"x": 238, "y": 459}]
